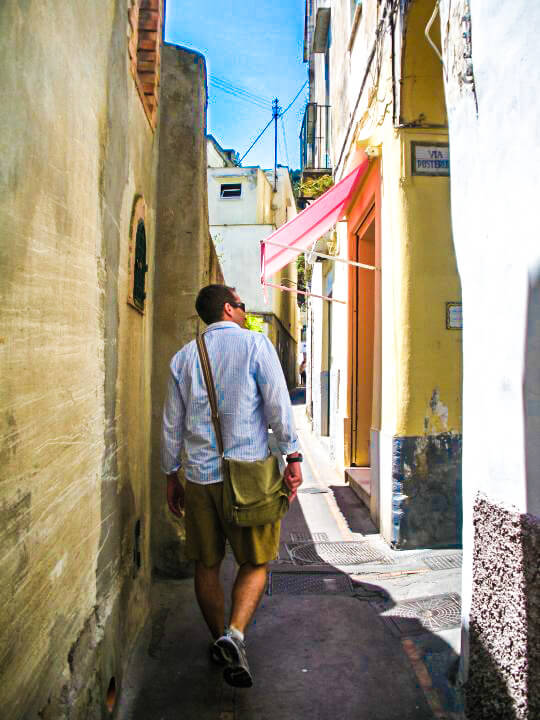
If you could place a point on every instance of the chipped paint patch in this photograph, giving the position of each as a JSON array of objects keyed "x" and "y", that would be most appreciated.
[{"x": 436, "y": 419}]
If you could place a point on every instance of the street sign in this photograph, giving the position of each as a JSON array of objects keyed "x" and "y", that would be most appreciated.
[
  {"x": 454, "y": 316},
  {"x": 430, "y": 159}
]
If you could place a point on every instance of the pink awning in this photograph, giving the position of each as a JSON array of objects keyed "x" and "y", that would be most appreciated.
[{"x": 309, "y": 225}]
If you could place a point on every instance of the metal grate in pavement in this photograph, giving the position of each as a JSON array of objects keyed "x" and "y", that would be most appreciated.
[
  {"x": 443, "y": 562},
  {"x": 306, "y": 537},
  {"x": 335, "y": 553},
  {"x": 418, "y": 615},
  {"x": 312, "y": 490},
  {"x": 302, "y": 583}
]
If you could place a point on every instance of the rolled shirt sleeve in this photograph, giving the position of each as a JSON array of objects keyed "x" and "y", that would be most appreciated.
[
  {"x": 277, "y": 403},
  {"x": 172, "y": 426}
]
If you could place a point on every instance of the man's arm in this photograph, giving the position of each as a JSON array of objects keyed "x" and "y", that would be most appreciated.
[
  {"x": 292, "y": 476},
  {"x": 278, "y": 411},
  {"x": 171, "y": 445}
]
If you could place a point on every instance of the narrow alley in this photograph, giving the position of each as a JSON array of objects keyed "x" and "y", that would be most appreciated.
[
  {"x": 346, "y": 629},
  {"x": 245, "y": 244}
]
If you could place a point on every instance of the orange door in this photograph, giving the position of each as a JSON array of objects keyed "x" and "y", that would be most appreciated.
[{"x": 363, "y": 340}]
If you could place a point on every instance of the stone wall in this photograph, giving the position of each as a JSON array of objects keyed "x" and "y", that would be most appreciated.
[
  {"x": 185, "y": 263},
  {"x": 504, "y": 630}
]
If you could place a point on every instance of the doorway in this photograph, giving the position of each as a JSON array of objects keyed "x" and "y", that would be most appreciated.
[{"x": 363, "y": 340}]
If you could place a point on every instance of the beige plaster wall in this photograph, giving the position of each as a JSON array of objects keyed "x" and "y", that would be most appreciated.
[
  {"x": 75, "y": 358},
  {"x": 186, "y": 261}
]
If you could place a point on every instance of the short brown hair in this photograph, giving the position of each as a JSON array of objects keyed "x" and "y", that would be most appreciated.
[{"x": 210, "y": 301}]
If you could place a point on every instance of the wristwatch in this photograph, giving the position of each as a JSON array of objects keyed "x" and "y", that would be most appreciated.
[{"x": 296, "y": 458}]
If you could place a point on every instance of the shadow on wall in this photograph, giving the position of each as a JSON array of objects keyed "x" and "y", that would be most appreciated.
[{"x": 531, "y": 393}]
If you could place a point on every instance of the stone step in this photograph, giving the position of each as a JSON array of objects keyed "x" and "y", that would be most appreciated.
[{"x": 359, "y": 478}]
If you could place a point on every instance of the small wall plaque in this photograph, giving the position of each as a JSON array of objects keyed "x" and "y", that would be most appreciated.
[
  {"x": 454, "y": 316},
  {"x": 430, "y": 159}
]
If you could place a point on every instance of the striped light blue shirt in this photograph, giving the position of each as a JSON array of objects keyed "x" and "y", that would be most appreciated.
[{"x": 251, "y": 392}]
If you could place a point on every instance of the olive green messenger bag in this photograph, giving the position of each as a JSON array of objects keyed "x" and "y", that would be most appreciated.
[{"x": 253, "y": 491}]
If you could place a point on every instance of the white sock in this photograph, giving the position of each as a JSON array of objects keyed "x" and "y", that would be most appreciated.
[{"x": 236, "y": 633}]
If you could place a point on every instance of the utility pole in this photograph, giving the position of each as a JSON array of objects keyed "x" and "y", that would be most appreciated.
[{"x": 275, "y": 115}]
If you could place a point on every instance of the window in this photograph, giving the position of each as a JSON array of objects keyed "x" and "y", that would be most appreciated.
[
  {"x": 230, "y": 190},
  {"x": 138, "y": 266}
]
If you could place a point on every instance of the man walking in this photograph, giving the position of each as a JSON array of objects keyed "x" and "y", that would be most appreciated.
[{"x": 251, "y": 394}]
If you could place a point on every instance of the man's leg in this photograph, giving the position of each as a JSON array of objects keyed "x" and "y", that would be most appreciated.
[
  {"x": 209, "y": 592},
  {"x": 247, "y": 591}
]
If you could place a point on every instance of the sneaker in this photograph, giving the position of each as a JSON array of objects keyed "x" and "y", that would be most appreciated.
[
  {"x": 217, "y": 655},
  {"x": 237, "y": 672}
]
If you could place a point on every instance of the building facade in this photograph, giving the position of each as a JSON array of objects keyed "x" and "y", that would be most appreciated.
[
  {"x": 384, "y": 377},
  {"x": 492, "y": 76},
  {"x": 245, "y": 206},
  {"x": 84, "y": 277}
]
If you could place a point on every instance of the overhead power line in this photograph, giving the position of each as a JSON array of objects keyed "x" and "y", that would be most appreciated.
[
  {"x": 238, "y": 96},
  {"x": 257, "y": 138},
  {"x": 214, "y": 79},
  {"x": 279, "y": 115},
  {"x": 285, "y": 140},
  {"x": 294, "y": 99}
]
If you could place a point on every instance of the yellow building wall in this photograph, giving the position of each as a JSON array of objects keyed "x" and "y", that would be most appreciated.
[
  {"x": 422, "y": 90},
  {"x": 427, "y": 354}
]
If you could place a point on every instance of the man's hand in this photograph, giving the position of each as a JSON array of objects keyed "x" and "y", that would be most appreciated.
[
  {"x": 292, "y": 477},
  {"x": 175, "y": 495}
]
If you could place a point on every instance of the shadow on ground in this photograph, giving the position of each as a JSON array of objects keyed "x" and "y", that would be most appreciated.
[
  {"x": 353, "y": 510},
  {"x": 315, "y": 655}
]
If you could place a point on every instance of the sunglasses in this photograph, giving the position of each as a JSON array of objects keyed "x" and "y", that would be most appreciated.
[{"x": 240, "y": 305}]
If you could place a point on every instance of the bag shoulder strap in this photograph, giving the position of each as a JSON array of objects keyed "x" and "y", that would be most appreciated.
[{"x": 211, "y": 389}]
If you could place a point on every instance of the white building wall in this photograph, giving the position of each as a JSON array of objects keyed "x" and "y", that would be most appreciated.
[
  {"x": 340, "y": 353},
  {"x": 495, "y": 158},
  {"x": 238, "y": 248},
  {"x": 214, "y": 159},
  {"x": 236, "y": 210},
  {"x": 316, "y": 344}
]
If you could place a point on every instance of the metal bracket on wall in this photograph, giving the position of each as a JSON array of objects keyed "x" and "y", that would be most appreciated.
[{"x": 319, "y": 254}]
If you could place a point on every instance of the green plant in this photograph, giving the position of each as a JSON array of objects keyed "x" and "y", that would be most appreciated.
[
  {"x": 304, "y": 278},
  {"x": 254, "y": 322},
  {"x": 315, "y": 187}
]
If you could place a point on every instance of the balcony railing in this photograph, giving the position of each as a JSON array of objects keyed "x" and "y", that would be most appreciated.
[{"x": 315, "y": 138}]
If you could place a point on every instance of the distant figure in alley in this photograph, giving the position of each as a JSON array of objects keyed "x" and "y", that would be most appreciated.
[{"x": 251, "y": 394}]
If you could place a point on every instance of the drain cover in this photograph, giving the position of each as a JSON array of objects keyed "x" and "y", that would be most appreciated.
[
  {"x": 301, "y": 537},
  {"x": 334, "y": 553},
  {"x": 301, "y": 583},
  {"x": 312, "y": 490},
  {"x": 444, "y": 562},
  {"x": 412, "y": 617}
]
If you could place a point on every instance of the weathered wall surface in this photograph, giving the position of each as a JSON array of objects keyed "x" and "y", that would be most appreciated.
[
  {"x": 186, "y": 260},
  {"x": 491, "y": 57},
  {"x": 504, "y": 677},
  {"x": 77, "y": 151}
]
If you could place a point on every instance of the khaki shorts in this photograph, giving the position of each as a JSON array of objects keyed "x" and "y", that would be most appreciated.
[{"x": 206, "y": 530}]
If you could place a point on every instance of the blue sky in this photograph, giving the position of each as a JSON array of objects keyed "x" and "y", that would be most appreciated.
[{"x": 257, "y": 47}]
